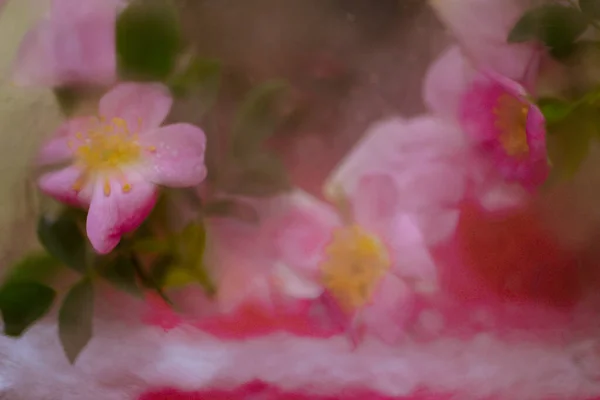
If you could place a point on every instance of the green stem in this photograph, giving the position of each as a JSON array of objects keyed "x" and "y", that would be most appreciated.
[{"x": 147, "y": 279}]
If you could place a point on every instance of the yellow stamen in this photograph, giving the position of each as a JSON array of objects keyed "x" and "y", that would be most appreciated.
[
  {"x": 106, "y": 187},
  {"x": 511, "y": 119},
  {"x": 356, "y": 262},
  {"x": 78, "y": 185},
  {"x": 104, "y": 149}
]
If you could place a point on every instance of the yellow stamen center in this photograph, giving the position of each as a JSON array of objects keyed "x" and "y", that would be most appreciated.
[
  {"x": 356, "y": 262},
  {"x": 511, "y": 119},
  {"x": 103, "y": 149}
]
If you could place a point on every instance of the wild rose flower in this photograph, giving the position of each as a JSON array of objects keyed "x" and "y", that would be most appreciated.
[
  {"x": 118, "y": 159},
  {"x": 74, "y": 44},
  {"x": 396, "y": 193},
  {"x": 477, "y": 86}
]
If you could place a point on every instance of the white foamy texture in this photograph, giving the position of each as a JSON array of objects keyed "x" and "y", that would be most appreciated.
[{"x": 125, "y": 359}]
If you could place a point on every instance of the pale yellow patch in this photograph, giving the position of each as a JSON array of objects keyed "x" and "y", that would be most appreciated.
[
  {"x": 356, "y": 262},
  {"x": 103, "y": 149},
  {"x": 511, "y": 118}
]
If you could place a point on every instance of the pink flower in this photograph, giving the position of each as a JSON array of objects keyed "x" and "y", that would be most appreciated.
[
  {"x": 118, "y": 160},
  {"x": 477, "y": 86},
  {"x": 396, "y": 193},
  {"x": 74, "y": 44}
]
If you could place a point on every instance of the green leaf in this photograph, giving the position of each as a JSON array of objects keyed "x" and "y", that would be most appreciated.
[
  {"x": 554, "y": 110},
  {"x": 151, "y": 244},
  {"x": 190, "y": 257},
  {"x": 555, "y": 25},
  {"x": 569, "y": 141},
  {"x": 67, "y": 99},
  {"x": 70, "y": 98},
  {"x": 63, "y": 239},
  {"x": 201, "y": 79},
  {"x": 192, "y": 239},
  {"x": 23, "y": 303},
  {"x": 148, "y": 40},
  {"x": 122, "y": 274},
  {"x": 179, "y": 277},
  {"x": 38, "y": 267},
  {"x": 75, "y": 319},
  {"x": 228, "y": 208},
  {"x": 591, "y": 8},
  {"x": 258, "y": 117},
  {"x": 160, "y": 268},
  {"x": 262, "y": 175}
]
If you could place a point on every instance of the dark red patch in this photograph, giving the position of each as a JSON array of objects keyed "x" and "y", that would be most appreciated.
[
  {"x": 517, "y": 257},
  {"x": 262, "y": 391}
]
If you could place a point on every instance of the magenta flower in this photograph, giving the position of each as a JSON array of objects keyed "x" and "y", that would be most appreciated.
[
  {"x": 477, "y": 86},
  {"x": 74, "y": 44},
  {"x": 118, "y": 159}
]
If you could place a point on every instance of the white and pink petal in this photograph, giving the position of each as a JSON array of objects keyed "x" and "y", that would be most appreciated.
[
  {"x": 67, "y": 186},
  {"x": 36, "y": 63},
  {"x": 113, "y": 214},
  {"x": 144, "y": 106},
  {"x": 60, "y": 147},
  {"x": 388, "y": 312},
  {"x": 445, "y": 83},
  {"x": 175, "y": 155},
  {"x": 410, "y": 255},
  {"x": 482, "y": 28}
]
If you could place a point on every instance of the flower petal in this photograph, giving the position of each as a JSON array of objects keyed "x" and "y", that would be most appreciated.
[
  {"x": 85, "y": 49},
  {"x": 427, "y": 158},
  {"x": 301, "y": 233},
  {"x": 375, "y": 201},
  {"x": 482, "y": 28},
  {"x": 437, "y": 226},
  {"x": 112, "y": 216},
  {"x": 57, "y": 150},
  {"x": 177, "y": 155},
  {"x": 143, "y": 105},
  {"x": 445, "y": 83},
  {"x": 67, "y": 50},
  {"x": 61, "y": 186},
  {"x": 36, "y": 63},
  {"x": 389, "y": 311},
  {"x": 410, "y": 255},
  {"x": 72, "y": 9},
  {"x": 293, "y": 284}
]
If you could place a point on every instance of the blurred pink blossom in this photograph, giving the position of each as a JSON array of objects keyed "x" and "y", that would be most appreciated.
[
  {"x": 73, "y": 44},
  {"x": 477, "y": 86},
  {"x": 117, "y": 160},
  {"x": 396, "y": 194}
]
